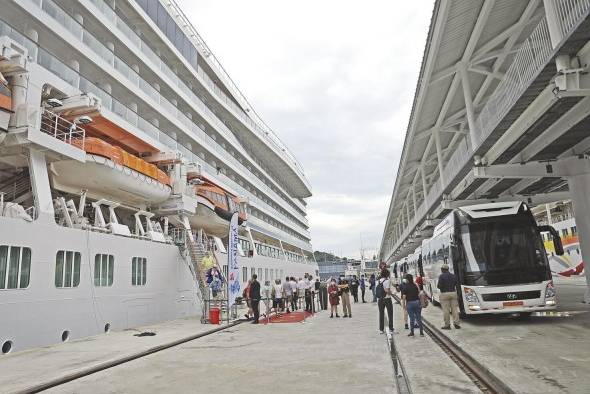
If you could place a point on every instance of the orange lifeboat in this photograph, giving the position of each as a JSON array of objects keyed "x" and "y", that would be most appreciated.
[
  {"x": 215, "y": 209},
  {"x": 111, "y": 172}
]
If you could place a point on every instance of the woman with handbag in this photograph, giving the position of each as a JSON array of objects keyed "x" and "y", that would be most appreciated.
[{"x": 412, "y": 297}]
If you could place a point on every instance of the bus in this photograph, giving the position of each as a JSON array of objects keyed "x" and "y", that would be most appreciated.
[{"x": 496, "y": 252}]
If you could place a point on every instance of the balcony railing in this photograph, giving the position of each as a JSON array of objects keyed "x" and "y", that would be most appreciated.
[
  {"x": 174, "y": 82},
  {"x": 109, "y": 102},
  {"x": 62, "y": 129}
]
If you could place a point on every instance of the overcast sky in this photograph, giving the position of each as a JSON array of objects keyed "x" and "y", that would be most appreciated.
[{"x": 335, "y": 79}]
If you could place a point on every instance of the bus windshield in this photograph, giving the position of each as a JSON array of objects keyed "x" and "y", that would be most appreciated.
[{"x": 503, "y": 252}]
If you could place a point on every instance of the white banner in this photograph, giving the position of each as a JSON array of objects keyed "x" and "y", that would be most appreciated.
[{"x": 233, "y": 279}]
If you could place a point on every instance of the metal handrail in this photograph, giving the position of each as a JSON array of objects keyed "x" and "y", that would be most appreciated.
[{"x": 62, "y": 129}]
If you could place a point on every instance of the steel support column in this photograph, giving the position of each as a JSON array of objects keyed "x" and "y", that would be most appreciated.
[
  {"x": 468, "y": 102},
  {"x": 439, "y": 158},
  {"x": 553, "y": 22}
]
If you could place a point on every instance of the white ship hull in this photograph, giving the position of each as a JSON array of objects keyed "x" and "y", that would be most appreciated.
[{"x": 39, "y": 314}]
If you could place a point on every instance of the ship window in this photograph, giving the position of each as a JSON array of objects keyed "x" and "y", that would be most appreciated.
[
  {"x": 244, "y": 274},
  {"x": 67, "y": 268},
  {"x": 253, "y": 271},
  {"x": 574, "y": 230},
  {"x": 260, "y": 273},
  {"x": 104, "y": 265},
  {"x": 564, "y": 232},
  {"x": 138, "y": 271},
  {"x": 15, "y": 267}
]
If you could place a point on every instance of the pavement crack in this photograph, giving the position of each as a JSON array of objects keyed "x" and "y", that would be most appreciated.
[{"x": 550, "y": 381}]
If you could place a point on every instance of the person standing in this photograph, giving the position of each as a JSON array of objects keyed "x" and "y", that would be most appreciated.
[
  {"x": 402, "y": 288},
  {"x": 410, "y": 295},
  {"x": 315, "y": 292},
  {"x": 308, "y": 293},
  {"x": 383, "y": 294},
  {"x": 300, "y": 291},
  {"x": 277, "y": 296},
  {"x": 345, "y": 294},
  {"x": 447, "y": 284},
  {"x": 293, "y": 284},
  {"x": 363, "y": 285},
  {"x": 334, "y": 298},
  {"x": 255, "y": 298},
  {"x": 372, "y": 284},
  {"x": 419, "y": 281},
  {"x": 354, "y": 288},
  {"x": 246, "y": 297},
  {"x": 288, "y": 294}
]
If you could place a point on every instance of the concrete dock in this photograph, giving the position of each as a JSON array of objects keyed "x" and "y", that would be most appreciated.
[
  {"x": 541, "y": 354},
  {"x": 342, "y": 355}
]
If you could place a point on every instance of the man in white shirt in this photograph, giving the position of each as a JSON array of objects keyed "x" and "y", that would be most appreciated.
[
  {"x": 293, "y": 284},
  {"x": 384, "y": 300},
  {"x": 301, "y": 286}
]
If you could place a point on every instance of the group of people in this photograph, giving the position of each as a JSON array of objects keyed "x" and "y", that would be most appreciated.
[
  {"x": 413, "y": 299},
  {"x": 288, "y": 295},
  {"x": 340, "y": 290}
]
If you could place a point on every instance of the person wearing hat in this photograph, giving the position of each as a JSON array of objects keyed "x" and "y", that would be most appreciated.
[{"x": 447, "y": 284}]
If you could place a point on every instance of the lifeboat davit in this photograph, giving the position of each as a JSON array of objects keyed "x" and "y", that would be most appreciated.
[
  {"x": 215, "y": 209},
  {"x": 111, "y": 173}
]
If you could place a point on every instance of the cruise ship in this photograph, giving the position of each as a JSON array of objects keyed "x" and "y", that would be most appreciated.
[{"x": 125, "y": 149}]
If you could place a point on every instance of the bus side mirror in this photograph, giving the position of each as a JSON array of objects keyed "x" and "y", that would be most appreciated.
[{"x": 557, "y": 245}]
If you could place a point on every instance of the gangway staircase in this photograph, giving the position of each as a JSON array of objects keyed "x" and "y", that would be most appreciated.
[{"x": 197, "y": 247}]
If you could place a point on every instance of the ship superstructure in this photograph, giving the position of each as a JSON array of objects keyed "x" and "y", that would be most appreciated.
[{"x": 124, "y": 150}]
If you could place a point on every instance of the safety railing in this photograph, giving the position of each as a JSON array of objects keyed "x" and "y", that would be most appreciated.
[
  {"x": 569, "y": 13},
  {"x": 460, "y": 156},
  {"x": 62, "y": 129}
]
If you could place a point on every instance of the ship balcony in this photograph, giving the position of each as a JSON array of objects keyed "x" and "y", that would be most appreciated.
[
  {"x": 259, "y": 134},
  {"x": 71, "y": 76},
  {"x": 106, "y": 55}
]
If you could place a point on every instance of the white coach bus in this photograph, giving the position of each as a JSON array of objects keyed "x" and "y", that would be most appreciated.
[{"x": 497, "y": 253}]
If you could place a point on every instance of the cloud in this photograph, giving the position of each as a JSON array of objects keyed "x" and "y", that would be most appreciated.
[{"x": 335, "y": 80}]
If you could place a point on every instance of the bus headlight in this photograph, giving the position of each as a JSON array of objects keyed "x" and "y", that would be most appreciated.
[
  {"x": 550, "y": 290},
  {"x": 470, "y": 296}
]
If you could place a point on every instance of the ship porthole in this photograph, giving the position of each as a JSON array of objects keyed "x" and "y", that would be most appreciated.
[
  {"x": 107, "y": 327},
  {"x": 6, "y": 347},
  {"x": 65, "y": 336}
]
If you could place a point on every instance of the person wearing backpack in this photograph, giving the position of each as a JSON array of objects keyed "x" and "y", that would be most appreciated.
[
  {"x": 414, "y": 299},
  {"x": 383, "y": 294}
]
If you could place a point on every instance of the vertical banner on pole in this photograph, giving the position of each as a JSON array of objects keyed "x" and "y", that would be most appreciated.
[{"x": 232, "y": 261}]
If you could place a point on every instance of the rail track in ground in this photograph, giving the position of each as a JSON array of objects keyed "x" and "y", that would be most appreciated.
[
  {"x": 482, "y": 377},
  {"x": 60, "y": 380}
]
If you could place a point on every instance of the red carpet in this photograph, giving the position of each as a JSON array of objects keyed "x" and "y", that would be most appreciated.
[{"x": 293, "y": 317}]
